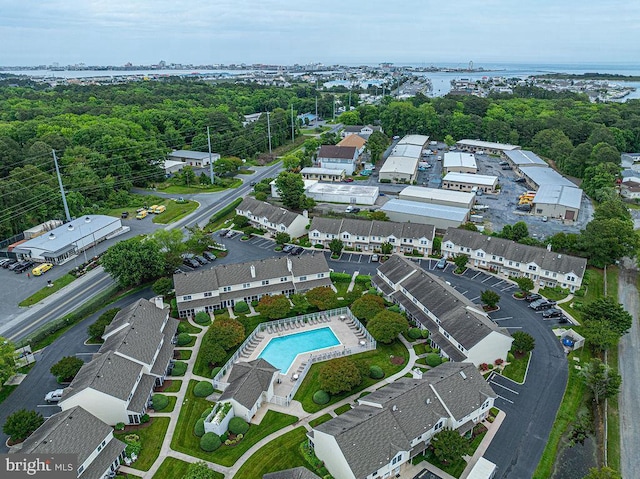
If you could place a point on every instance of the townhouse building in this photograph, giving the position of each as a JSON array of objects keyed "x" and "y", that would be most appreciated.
[{"x": 273, "y": 218}]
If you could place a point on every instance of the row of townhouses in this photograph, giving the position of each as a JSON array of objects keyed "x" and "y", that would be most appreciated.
[
  {"x": 511, "y": 259},
  {"x": 390, "y": 426},
  {"x": 459, "y": 328},
  {"x": 365, "y": 235},
  {"x": 224, "y": 285},
  {"x": 273, "y": 218}
]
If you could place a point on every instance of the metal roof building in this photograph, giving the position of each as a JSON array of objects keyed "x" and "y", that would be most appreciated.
[
  {"x": 467, "y": 182},
  {"x": 488, "y": 146},
  {"x": 545, "y": 176},
  {"x": 558, "y": 201},
  {"x": 440, "y": 216},
  {"x": 524, "y": 158},
  {"x": 459, "y": 162},
  {"x": 437, "y": 196},
  {"x": 343, "y": 193},
  {"x": 420, "y": 140}
]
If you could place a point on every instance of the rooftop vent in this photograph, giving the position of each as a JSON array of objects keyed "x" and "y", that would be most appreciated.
[
  {"x": 87, "y": 219},
  {"x": 70, "y": 227},
  {"x": 52, "y": 236},
  {"x": 464, "y": 376}
]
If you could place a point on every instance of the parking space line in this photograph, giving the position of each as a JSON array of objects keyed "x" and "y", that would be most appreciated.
[
  {"x": 487, "y": 279},
  {"x": 502, "y": 319},
  {"x": 513, "y": 327},
  {"x": 350, "y": 257},
  {"x": 504, "y": 387},
  {"x": 477, "y": 274},
  {"x": 47, "y": 405},
  {"x": 502, "y": 397},
  {"x": 496, "y": 284},
  {"x": 507, "y": 288},
  {"x": 465, "y": 292},
  {"x": 475, "y": 299},
  {"x": 445, "y": 268},
  {"x": 359, "y": 258}
]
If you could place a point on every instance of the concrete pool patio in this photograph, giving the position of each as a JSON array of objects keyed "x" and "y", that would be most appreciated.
[{"x": 353, "y": 337}]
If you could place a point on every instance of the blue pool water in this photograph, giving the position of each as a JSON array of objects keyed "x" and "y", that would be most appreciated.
[{"x": 282, "y": 351}]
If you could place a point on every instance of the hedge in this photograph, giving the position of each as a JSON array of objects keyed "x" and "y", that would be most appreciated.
[
  {"x": 340, "y": 277},
  {"x": 415, "y": 333},
  {"x": 160, "y": 401},
  {"x": 198, "y": 429},
  {"x": 237, "y": 425},
  {"x": 376, "y": 372},
  {"x": 225, "y": 211},
  {"x": 202, "y": 318},
  {"x": 183, "y": 339},
  {"x": 321, "y": 397},
  {"x": 215, "y": 371},
  {"x": 206, "y": 413},
  {"x": 209, "y": 442},
  {"x": 179, "y": 368},
  {"x": 433, "y": 360},
  {"x": 203, "y": 389},
  {"x": 425, "y": 333},
  {"x": 241, "y": 307}
]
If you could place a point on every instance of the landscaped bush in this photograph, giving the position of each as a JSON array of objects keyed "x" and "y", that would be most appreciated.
[
  {"x": 206, "y": 413},
  {"x": 183, "y": 339},
  {"x": 395, "y": 308},
  {"x": 179, "y": 368},
  {"x": 241, "y": 307},
  {"x": 182, "y": 327},
  {"x": 376, "y": 372},
  {"x": 203, "y": 389},
  {"x": 160, "y": 401},
  {"x": 209, "y": 442},
  {"x": 215, "y": 371},
  {"x": 237, "y": 425},
  {"x": 415, "y": 333},
  {"x": 425, "y": 333},
  {"x": 145, "y": 418},
  {"x": 119, "y": 426},
  {"x": 510, "y": 357},
  {"x": 321, "y": 397},
  {"x": 433, "y": 360},
  {"x": 202, "y": 318},
  {"x": 198, "y": 429}
]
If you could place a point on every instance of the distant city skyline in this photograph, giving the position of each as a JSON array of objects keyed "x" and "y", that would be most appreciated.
[{"x": 144, "y": 32}]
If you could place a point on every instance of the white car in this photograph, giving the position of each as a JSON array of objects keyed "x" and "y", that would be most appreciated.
[
  {"x": 374, "y": 258},
  {"x": 54, "y": 396}
]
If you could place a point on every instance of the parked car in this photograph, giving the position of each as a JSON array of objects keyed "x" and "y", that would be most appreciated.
[
  {"x": 297, "y": 250},
  {"x": 542, "y": 304},
  {"x": 15, "y": 265},
  {"x": 375, "y": 258},
  {"x": 355, "y": 210},
  {"x": 524, "y": 207},
  {"x": 441, "y": 263},
  {"x": 552, "y": 313},
  {"x": 191, "y": 262},
  {"x": 4, "y": 260},
  {"x": 506, "y": 167},
  {"x": 8, "y": 263},
  {"x": 531, "y": 297},
  {"x": 54, "y": 396},
  {"x": 41, "y": 269},
  {"x": 223, "y": 233},
  {"x": 520, "y": 180},
  {"x": 545, "y": 219},
  {"x": 23, "y": 267},
  {"x": 504, "y": 163},
  {"x": 287, "y": 248},
  {"x": 209, "y": 255},
  {"x": 201, "y": 259},
  {"x": 124, "y": 215}
]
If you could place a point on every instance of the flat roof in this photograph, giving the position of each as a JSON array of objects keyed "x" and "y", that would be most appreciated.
[
  {"x": 546, "y": 176},
  {"x": 400, "y": 164},
  {"x": 488, "y": 144},
  {"x": 409, "y": 151},
  {"x": 193, "y": 155},
  {"x": 322, "y": 171},
  {"x": 525, "y": 158},
  {"x": 454, "y": 159},
  {"x": 437, "y": 194},
  {"x": 170, "y": 163},
  {"x": 343, "y": 189},
  {"x": 471, "y": 178},
  {"x": 419, "y": 140},
  {"x": 570, "y": 196},
  {"x": 426, "y": 209}
]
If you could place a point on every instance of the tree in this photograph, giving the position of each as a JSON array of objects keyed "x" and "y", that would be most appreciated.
[
  {"x": 212, "y": 352},
  {"x": 199, "y": 240},
  {"x": 67, "y": 368},
  {"x": 291, "y": 162},
  {"x": 335, "y": 246},
  {"x": 610, "y": 209},
  {"x": 366, "y": 307},
  {"x": 21, "y": 424},
  {"x": 437, "y": 244},
  {"x": 199, "y": 470},
  {"x": 386, "y": 248},
  {"x": 376, "y": 145},
  {"x": 490, "y": 298},
  {"x": 240, "y": 221},
  {"x": 460, "y": 260},
  {"x": 187, "y": 176},
  {"x": 449, "y": 141},
  {"x": 339, "y": 375},
  {"x": 519, "y": 231},
  {"x": 322, "y": 297},
  {"x": 522, "y": 342},
  {"x": 610, "y": 311},
  {"x": 386, "y": 325},
  {"x": 602, "y": 380},
  {"x": 290, "y": 187},
  {"x": 525, "y": 284},
  {"x": 134, "y": 261},
  {"x": 274, "y": 307},
  {"x": 228, "y": 332},
  {"x": 227, "y": 166},
  {"x": 7, "y": 360},
  {"x": 603, "y": 473},
  {"x": 282, "y": 238},
  {"x": 300, "y": 303},
  {"x": 449, "y": 446},
  {"x": 96, "y": 330},
  {"x": 605, "y": 241},
  {"x": 171, "y": 245},
  {"x": 378, "y": 216},
  {"x": 599, "y": 336},
  {"x": 162, "y": 286}
]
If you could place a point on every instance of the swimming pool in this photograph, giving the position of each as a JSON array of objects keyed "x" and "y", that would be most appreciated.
[{"x": 282, "y": 351}]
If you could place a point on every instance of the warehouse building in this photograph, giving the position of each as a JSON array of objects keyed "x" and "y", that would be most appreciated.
[
  {"x": 458, "y": 162},
  {"x": 519, "y": 159},
  {"x": 440, "y": 216},
  {"x": 469, "y": 182},
  {"x": 419, "y": 140},
  {"x": 195, "y": 159},
  {"x": 558, "y": 201},
  {"x": 343, "y": 193},
  {"x": 488, "y": 147},
  {"x": 545, "y": 176},
  {"x": 402, "y": 164},
  {"x": 437, "y": 196},
  {"x": 322, "y": 174}
]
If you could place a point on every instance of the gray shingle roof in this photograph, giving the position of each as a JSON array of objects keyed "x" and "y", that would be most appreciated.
[
  {"x": 104, "y": 460},
  {"x": 356, "y": 227},
  {"x": 248, "y": 380},
  {"x": 166, "y": 351},
  {"x": 141, "y": 313},
  {"x": 334, "y": 151},
  {"x": 261, "y": 209},
  {"x": 326, "y": 225},
  {"x": 143, "y": 390},
  {"x": 295, "y": 473},
  {"x": 510, "y": 250},
  {"x": 395, "y": 268},
  {"x": 382, "y": 229}
]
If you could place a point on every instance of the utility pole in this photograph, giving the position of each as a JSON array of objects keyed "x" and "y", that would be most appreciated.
[
  {"x": 64, "y": 197},
  {"x": 269, "y": 131},
  {"x": 210, "y": 156},
  {"x": 349, "y": 99},
  {"x": 316, "y": 111},
  {"x": 293, "y": 138}
]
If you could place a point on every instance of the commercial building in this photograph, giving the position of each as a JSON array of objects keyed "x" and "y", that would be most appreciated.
[
  {"x": 436, "y": 196},
  {"x": 307, "y": 184},
  {"x": 273, "y": 218},
  {"x": 402, "y": 165},
  {"x": 457, "y": 162},
  {"x": 322, "y": 174},
  {"x": 64, "y": 242},
  {"x": 172, "y": 166},
  {"x": 440, "y": 216},
  {"x": 470, "y": 182},
  {"x": 195, "y": 159},
  {"x": 511, "y": 259},
  {"x": 343, "y": 193},
  {"x": 545, "y": 176},
  {"x": 356, "y": 141},
  {"x": 224, "y": 285},
  {"x": 338, "y": 158},
  {"x": 488, "y": 147},
  {"x": 558, "y": 201},
  {"x": 520, "y": 159},
  {"x": 364, "y": 131},
  {"x": 364, "y": 235},
  {"x": 418, "y": 140}
]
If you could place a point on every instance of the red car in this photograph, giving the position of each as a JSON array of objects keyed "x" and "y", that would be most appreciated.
[{"x": 348, "y": 180}]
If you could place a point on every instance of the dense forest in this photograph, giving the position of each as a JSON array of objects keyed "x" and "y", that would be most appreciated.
[{"x": 109, "y": 138}]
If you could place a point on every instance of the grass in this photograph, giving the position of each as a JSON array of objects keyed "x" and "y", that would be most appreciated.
[
  {"x": 175, "y": 211},
  {"x": 342, "y": 409},
  {"x": 378, "y": 357},
  {"x": 185, "y": 190},
  {"x": 554, "y": 294},
  {"x": 420, "y": 348},
  {"x": 171, "y": 406},
  {"x": 151, "y": 438},
  {"x": 184, "y": 354},
  {"x": 220, "y": 218},
  {"x": 6, "y": 391},
  {"x": 281, "y": 453},
  {"x": 189, "y": 328},
  {"x": 517, "y": 369},
  {"x": 613, "y": 420},
  {"x": 319, "y": 420},
  {"x": 38, "y": 296},
  {"x": 175, "y": 468},
  {"x": 174, "y": 387},
  {"x": 184, "y": 440}
]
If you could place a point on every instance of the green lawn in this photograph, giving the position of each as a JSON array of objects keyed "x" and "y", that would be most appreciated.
[
  {"x": 379, "y": 357},
  {"x": 184, "y": 354},
  {"x": 517, "y": 369},
  {"x": 175, "y": 211},
  {"x": 171, "y": 406},
  {"x": 174, "y": 386},
  {"x": 175, "y": 468},
  {"x": 5, "y": 391},
  {"x": 420, "y": 348},
  {"x": 151, "y": 438},
  {"x": 184, "y": 440},
  {"x": 281, "y": 453},
  {"x": 554, "y": 294},
  {"x": 319, "y": 420},
  {"x": 185, "y": 190},
  {"x": 342, "y": 409},
  {"x": 189, "y": 328},
  {"x": 46, "y": 291},
  {"x": 613, "y": 420}
]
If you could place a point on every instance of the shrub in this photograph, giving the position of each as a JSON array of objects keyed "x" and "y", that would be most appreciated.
[
  {"x": 376, "y": 372},
  {"x": 490, "y": 366},
  {"x": 261, "y": 196},
  {"x": 179, "y": 368},
  {"x": 215, "y": 371},
  {"x": 119, "y": 426},
  {"x": 339, "y": 375},
  {"x": 484, "y": 367},
  {"x": 198, "y": 429},
  {"x": 394, "y": 309},
  {"x": 182, "y": 327},
  {"x": 203, "y": 389},
  {"x": 415, "y": 333},
  {"x": 66, "y": 369},
  {"x": 510, "y": 357},
  {"x": 206, "y": 413},
  {"x": 183, "y": 339},
  {"x": 202, "y": 318},
  {"x": 160, "y": 401},
  {"x": 209, "y": 442},
  {"x": 237, "y": 425},
  {"x": 425, "y": 333},
  {"x": 433, "y": 360},
  {"x": 96, "y": 330},
  {"x": 241, "y": 307},
  {"x": 224, "y": 437},
  {"x": 21, "y": 424},
  {"x": 145, "y": 418},
  {"x": 321, "y": 397},
  {"x": 499, "y": 361}
]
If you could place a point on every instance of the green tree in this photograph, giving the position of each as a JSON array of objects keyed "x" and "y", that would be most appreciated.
[
  {"x": 366, "y": 307},
  {"x": 162, "y": 286},
  {"x": 300, "y": 303},
  {"x": 282, "y": 238},
  {"x": 274, "y": 307},
  {"x": 240, "y": 221},
  {"x": 608, "y": 310},
  {"x": 525, "y": 284},
  {"x": 322, "y": 297},
  {"x": 227, "y": 166},
  {"x": 604, "y": 241},
  {"x": 21, "y": 424},
  {"x": 599, "y": 179},
  {"x": 449, "y": 141},
  {"x": 291, "y": 162},
  {"x": 460, "y": 260},
  {"x": 204, "y": 179},
  {"x": 437, "y": 244},
  {"x": 212, "y": 352},
  {"x": 186, "y": 176},
  {"x": 490, "y": 298},
  {"x": 522, "y": 342},
  {"x": 604, "y": 153},
  {"x": 449, "y": 446},
  {"x": 376, "y": 145},
  {"x": 290, "y": 187},
  {"x": 602, "y": 380},
  {"x": 171, "y": 245},
  {"x": 7, "y": 360},
  {"x": 378, "y": 216},
  {"x": 519, "y": 231},
  {"x": 67, "y": 368},
  {"x": 350, "y": 118},
  {"x": 335, "y": 246},
  {"x": 132, "y": 262},
  {"x": 386, "y": 248},
  {"x": 599, "y": 336},
  {"x": 228, "y": 332},
  {"x": 386, "y": 325},
  {"x": 339, "y": 375},
  {"x": 199, "y": 470},
  {"x": 603, "y": 473},
  {"x": 612, "y": 209}
]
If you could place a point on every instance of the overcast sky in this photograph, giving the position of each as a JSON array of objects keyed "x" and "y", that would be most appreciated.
[{"x": 113, "y": 32}]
